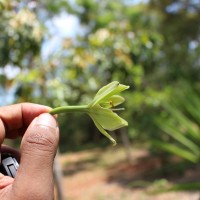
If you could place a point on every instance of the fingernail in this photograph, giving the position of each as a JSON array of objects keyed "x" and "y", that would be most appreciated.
[{"x": 46, "y": 119}]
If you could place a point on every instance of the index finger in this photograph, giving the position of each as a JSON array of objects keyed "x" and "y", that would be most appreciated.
[{"x": 14, "y": 119}]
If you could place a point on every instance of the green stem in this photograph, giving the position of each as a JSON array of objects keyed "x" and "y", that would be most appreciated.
[{"x": 67, "y": 109}]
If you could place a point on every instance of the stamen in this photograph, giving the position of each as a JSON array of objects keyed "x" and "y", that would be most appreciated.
[
  {"x": 111, "y": 103},
  {"x": 117, "y": 109}
]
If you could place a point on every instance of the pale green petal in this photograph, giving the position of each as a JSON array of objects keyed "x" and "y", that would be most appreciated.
[
  {"x": 103, "y": 131},
  {"x": 107, "y": 88},
  {"x": 107, "y": 118},
  {"x": 113, "y": 101},
  {"x": 104, "y": 91},
  {"x": 108, "y": 91}
]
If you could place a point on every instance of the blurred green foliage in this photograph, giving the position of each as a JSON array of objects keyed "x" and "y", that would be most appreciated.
[
  {"x": 180, "y": 121},
  {"x": 150, "y": 47}
]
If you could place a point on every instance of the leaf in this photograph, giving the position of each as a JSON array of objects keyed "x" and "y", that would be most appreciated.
[
  {"x": 181, "y": 152},
  {"x": 180, "y": 137}
]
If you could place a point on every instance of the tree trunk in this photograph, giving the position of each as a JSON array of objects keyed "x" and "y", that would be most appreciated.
[
  {"x": 58, "y": 178},
  {"x": 126, "y": 143}
]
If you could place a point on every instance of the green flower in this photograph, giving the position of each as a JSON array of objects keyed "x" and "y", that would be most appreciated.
[{"x": 101, "y": 109}]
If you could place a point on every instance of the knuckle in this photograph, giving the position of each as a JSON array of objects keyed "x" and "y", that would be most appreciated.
[{"x": 42, "y": 138}]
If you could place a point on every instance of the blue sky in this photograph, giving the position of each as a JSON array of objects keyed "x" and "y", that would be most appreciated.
[
  {"x": 61, "y": 26},
  {"x": 65, "y": 25}
]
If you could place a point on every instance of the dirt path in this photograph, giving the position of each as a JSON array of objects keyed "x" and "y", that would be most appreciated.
[{"x": 98, "y": 175}]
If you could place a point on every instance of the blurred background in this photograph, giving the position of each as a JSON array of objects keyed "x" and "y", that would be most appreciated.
[{"x": 61, "y": 52}]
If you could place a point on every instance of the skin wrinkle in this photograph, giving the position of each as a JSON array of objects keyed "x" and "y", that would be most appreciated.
[{"x": 39, "y": 141}]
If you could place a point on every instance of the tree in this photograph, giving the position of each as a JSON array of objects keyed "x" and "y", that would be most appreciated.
[
  {"x": 180, "y": 29},
  {"x": 140, "y": 45},
  {"x": 120, "y": 43}
]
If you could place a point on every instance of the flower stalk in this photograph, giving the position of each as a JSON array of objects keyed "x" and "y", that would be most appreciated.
[
  {"x": 69, "y": 109},
  {"x": 101, "y": 109}
]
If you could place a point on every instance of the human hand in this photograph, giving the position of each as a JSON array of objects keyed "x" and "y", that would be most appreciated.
[{"x": 40, "y": 136}]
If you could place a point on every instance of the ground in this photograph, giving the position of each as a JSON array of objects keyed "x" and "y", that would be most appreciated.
[{"x": 106, "y": 174}]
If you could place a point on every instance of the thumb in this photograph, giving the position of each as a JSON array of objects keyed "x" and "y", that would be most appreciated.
[{"x": 38, "y": 148}]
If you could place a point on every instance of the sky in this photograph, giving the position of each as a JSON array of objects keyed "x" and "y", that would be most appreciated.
[
  {"x": 136, "y": 1},
  {"x": 63, "y": 26}
]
